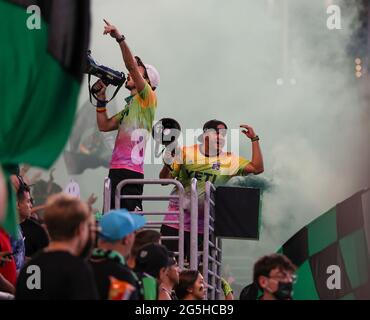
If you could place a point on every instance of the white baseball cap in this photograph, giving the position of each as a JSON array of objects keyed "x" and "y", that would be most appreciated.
[
  {"x": 153, "y": 75},
  {"x": 151, "y": 71}
]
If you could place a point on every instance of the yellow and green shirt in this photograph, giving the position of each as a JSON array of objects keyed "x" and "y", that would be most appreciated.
[{"x": 217, "y": 169}]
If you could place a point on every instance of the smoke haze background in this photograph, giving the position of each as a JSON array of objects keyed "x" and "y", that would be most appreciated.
[{"x": 271, "y": 64}]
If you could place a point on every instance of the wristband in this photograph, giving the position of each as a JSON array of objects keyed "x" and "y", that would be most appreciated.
[
  {"x": 101, "y": 104},
  {"x": 256, "y": 138},
  {"x": 101, "y": 110},
  {"x": 121, "y": 38}
]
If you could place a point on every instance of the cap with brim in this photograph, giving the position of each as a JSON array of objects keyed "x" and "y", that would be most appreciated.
[
  {"x": 151, "y": 71},
  {"x": 171, "y": 259},
  {"x": 117, "y": 224},
  {"x": 151, "y": 258}
]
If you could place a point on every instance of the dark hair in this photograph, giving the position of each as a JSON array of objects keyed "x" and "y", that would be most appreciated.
[
  {"x": 187, "y": 279},
  {"x": 267, "y": 263},
  {"x": 151, "y": 258},
  {"x": 171, "y": 258},
  {"x": 213, "y": 124},
  {"x": 141, "y": 64},
  {"x": 144, "y": 237},
  {"x": 63, "y": 216},
  {"x": 22, "y": 189}
]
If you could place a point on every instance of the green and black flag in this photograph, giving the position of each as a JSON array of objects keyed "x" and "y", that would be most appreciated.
[
  {"x": 43, "y": 48},
  {"x": 333, "y": 253}
]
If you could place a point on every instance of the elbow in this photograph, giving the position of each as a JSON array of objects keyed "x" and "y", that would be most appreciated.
[
  {"x": 259, "y": 170},
  {"x": 165, "y": 173},
  {"x": 103, "y": 128},
  {"x": 162, "y": 175}
]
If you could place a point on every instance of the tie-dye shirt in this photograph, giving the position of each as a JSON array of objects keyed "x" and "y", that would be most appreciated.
[
  {"x": 218, "y": 169},
  {"x": 136, "y": 121}
]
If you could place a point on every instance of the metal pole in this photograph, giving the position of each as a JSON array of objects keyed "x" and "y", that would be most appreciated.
[
  {"x": 106, "y": 195},
  {"x": 219, "y": 270},
  {"x": 206, "y": 233},
  {"x": 181, "y": 228},
  {"x": 194, "y": 225}
]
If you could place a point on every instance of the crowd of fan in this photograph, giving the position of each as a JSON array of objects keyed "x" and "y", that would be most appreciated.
[{"x": 69, "y": 253}]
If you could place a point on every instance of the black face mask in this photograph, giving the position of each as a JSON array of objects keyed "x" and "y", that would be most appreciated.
[{"x": 284, "y": 291}]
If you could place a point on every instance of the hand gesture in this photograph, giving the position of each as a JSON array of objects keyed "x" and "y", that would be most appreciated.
[
  {"x": 112, "y": 30},
  {"x": 92, "y": 199},
  {"x": 249, "y": 132}
]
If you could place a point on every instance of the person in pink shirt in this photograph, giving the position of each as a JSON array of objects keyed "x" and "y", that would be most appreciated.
[{"x": 134, "y": 122}]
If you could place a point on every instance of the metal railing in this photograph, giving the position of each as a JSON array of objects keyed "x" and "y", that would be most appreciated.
[
  {"x": 212, "y": 247},
  {"x": 194, "y": 225},
  {"x": 106, "y": 195},
  {"x": 154, "y": 224}
]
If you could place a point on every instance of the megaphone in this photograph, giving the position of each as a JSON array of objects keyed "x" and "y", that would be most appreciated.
[{"x": 165, "y": 132}]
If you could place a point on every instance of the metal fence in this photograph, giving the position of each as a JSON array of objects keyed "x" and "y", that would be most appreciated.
[
  {"x": 212, "y": 247},
  {"x": 209, "y": 259}
]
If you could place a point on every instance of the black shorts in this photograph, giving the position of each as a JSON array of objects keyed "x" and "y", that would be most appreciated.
[{"x": 118, "y": 175}]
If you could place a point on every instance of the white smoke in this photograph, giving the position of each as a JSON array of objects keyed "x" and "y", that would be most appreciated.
[{"x": 271, "y": 64}]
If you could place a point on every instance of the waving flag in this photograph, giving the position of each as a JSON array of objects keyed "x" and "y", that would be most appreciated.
[
  {"x": 41, "y": 61},
  {"x": 339, "y": 238}
]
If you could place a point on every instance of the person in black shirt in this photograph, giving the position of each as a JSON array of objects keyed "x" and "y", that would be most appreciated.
[
  {"x": 35, "y": 236},
  {"x": 58, "y": 272},
  {"x": 113, "y": 277}
]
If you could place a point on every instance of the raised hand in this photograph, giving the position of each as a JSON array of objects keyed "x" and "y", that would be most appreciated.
[
  {"x": 92, "y": 199},
  {"x": 112, "y": 30},
  {"x": 249, "y": 132}
]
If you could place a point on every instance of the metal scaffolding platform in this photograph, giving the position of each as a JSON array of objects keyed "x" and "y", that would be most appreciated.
[{"x": 208, "y": 261}]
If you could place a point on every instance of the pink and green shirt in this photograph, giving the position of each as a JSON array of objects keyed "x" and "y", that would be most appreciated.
[{"x": 136, "y": 120}]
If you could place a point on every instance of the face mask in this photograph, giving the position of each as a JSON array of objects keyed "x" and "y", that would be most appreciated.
[{"x": 284, "y": 291}]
